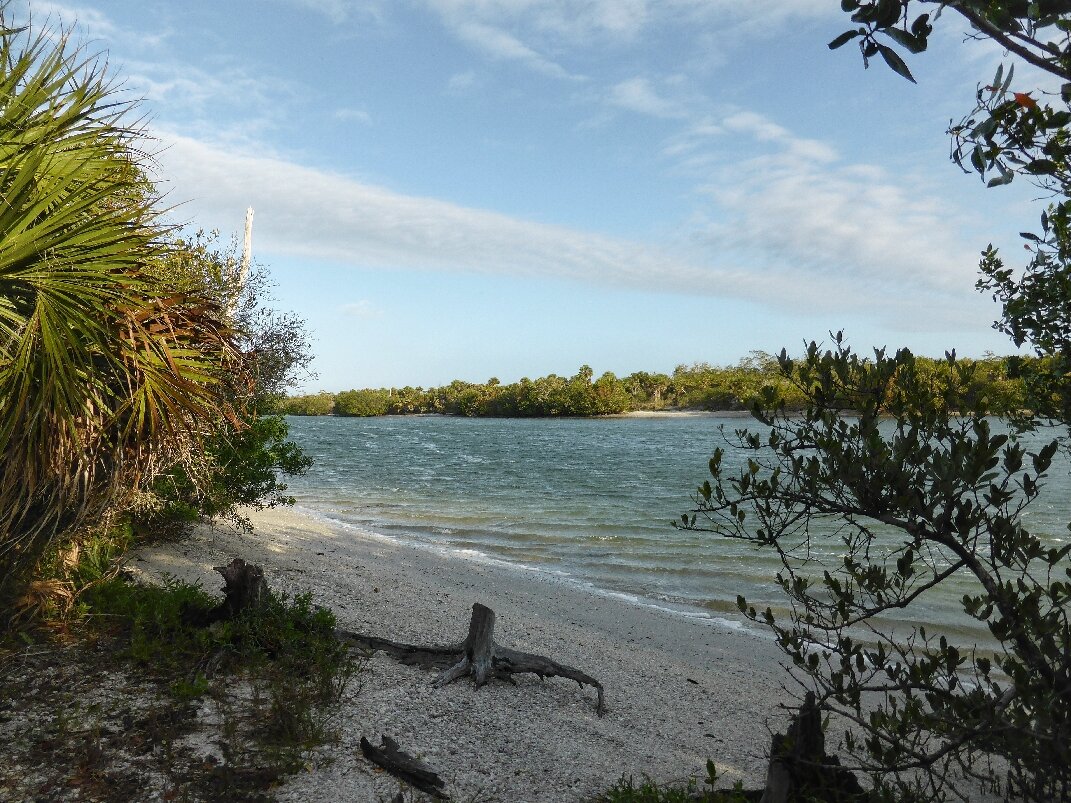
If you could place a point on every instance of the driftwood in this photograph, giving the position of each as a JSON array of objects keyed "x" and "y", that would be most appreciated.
[
  {"x": 478, "y": 657},
  {"x": 799, "y": 767},
  {"x": 402, "y": 765}
]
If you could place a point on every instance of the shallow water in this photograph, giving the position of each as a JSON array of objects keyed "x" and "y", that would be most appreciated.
[{"x": 592, "y": 500}]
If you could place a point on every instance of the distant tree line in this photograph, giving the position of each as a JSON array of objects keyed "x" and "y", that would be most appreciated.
[{"x": 700, "y": 386}]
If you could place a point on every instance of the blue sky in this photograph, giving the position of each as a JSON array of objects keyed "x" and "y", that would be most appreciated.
[{"x": 474, "y": 188}]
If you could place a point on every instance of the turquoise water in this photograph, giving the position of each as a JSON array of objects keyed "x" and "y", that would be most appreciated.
[{"x": 591, "y": 501}]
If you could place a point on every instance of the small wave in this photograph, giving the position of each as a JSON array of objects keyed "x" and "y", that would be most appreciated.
[{"x": 551, "y": 574}]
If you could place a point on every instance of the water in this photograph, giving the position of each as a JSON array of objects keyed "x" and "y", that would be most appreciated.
[{"x": 591, "y": 500}]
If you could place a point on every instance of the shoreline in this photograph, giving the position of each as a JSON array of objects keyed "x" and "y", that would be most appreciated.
[
  {"x": 565, "y": 579},
  {"x": 679, "y": 689}
]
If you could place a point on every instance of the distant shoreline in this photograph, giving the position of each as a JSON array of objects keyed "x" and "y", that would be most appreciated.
[{"x": 629, "y": 414}]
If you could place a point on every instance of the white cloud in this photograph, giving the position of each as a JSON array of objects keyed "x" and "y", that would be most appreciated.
[
  {"x": 582, "y": 22},
  {"x": 637, "y": 95},
  {"x": 825, "y": 226},
  {"x": 340, "y": 11},
  {"x": 504, "y": 46},
  {"x": 93, "y": 22},
  {"x": 90, "y": 24},
  {"x": 784, "y": 231},
  {"x": 694, "y": 139},
  {"x": 314, "y": 213},
  {"x": 461, "y": 82},
  {"x": 364, "y": 310},
  {"x": 353, "y": 115},
  {"x": 763, "y": 130},
  {"x": 139, "y": 61},
  {"x": 573, "y": 20}
]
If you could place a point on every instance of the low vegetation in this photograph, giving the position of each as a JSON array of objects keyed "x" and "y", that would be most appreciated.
[
  {"x": 628, "y": 790},
  {"x": 138, "y": 371},
  {"x": 124, "y": 686}
]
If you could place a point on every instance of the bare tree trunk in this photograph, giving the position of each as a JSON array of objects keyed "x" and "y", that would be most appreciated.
[{"x": 243, "y": 266}]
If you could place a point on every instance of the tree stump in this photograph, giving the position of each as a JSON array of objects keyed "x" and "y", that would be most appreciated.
[
  {"x": 799, "y": 767},
  {"x": 478, "y": 657},
  {"x": 244, "y": 588}
]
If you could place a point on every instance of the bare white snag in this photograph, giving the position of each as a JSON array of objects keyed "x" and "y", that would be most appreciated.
[
  {"x": 247, "y": 248},
  {"x": 243, "y": 266}
]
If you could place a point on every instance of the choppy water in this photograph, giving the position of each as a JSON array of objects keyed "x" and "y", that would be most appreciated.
[{"x": 592, "y": 500}]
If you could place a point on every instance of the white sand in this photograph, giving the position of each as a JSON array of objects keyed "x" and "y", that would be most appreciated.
[{"x": 536, "y": 741}]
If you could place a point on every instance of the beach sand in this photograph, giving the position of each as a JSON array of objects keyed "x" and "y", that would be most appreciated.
[{"x": 679, "y": 689}]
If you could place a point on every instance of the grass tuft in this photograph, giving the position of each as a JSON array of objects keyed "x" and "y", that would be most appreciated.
[{"x": 627, "y": 790}]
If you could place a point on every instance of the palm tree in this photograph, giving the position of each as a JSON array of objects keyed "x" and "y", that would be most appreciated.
[{"x": 104, "y": 374}]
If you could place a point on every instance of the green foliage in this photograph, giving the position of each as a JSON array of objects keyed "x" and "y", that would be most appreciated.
[
  {"x": 647, "y": 791},
  {"x": 289, "y": 645},
  {"x": 696, "y": 387},
  {"x": 246, "y": 453},
  {"x": 105, "y": 374},
  {"x": 1012, "y": 131},
  {"x": 322, "y": 403},
  {"x": 272, "y": 677},
  {"x": 361, "y": 403},
  {"x": 245, "y": 472},
  {"x": 894, "y": 479},
  {"x": 911, "y": 494},
  {"x": 706, "y": 387},
  {"x": 1035, "y": 32}
]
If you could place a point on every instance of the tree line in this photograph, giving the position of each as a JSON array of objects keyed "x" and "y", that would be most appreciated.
[{"x": 700, "y": 386}]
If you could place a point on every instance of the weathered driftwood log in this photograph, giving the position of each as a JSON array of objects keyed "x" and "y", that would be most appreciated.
[
  {"x": 478, "y": 657},
  {"x": 799, "y": 767},
  {"x": 402, "y": 765}
]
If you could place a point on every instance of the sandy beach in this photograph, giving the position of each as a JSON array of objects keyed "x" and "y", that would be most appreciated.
[{"x": 679, "y": 689}]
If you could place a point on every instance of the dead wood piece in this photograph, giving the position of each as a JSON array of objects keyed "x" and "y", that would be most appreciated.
[
  {"x": 478, "y": 657},
  {"x": 404, "y": 766},
  {"x": 518, "y": 663},
  {"x": 409, "y": 654},
  {"x": 799, "y": 767},
  {"x": 244, "y": 588}
]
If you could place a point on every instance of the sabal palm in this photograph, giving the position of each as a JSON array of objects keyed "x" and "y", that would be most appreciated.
[{"x": 102, "y": 372}]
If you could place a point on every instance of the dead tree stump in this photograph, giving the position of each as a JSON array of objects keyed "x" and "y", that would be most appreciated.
[
  {"x": 244, "y": 588},
  {"x": 478, "y": 657},
  {"x": 799, "y": 767}
]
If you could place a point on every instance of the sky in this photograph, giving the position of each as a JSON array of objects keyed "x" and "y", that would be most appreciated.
[{"x": 461, "y": 189}]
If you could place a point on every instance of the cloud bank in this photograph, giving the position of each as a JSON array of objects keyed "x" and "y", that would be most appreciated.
[{"x": 791, "y": 229}]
